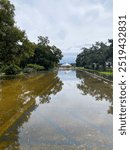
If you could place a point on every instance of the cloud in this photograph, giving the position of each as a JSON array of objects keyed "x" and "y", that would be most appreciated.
[{"x": 66, "y": 22}]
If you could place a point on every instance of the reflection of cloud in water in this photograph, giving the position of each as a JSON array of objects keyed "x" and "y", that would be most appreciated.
[
  {"x": 37, "y": 89},
  {"x": 70, "y": 119},
  {"x": 67, "y": 71}
]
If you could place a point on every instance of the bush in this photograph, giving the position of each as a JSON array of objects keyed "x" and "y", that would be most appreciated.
[
  {"x": 1, "y": 69},
  {"x": 12, "y": 70},
  {"x": 28, "y": 70},
  {"x": 35, "y": 66}
]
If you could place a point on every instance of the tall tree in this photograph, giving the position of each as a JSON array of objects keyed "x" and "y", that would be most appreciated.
[
  {"x": 96, "y": 56},
  {"x": 14, "y": 45},
  {"x": 46, "y": 55},
  {"x": 43, "y": 40}
]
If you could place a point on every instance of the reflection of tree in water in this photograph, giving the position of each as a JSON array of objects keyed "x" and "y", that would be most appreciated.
[
  {"x": 55, "y": 88},
  {"x": 10, "y": 139},
  {"x": 96, "y": 88},
  {"x": 41, "y": 87}
]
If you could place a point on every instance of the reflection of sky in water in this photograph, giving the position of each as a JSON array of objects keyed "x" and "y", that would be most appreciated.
[
  {"x": 68, "y": 75},
  {"x": 70, "y": 121}
]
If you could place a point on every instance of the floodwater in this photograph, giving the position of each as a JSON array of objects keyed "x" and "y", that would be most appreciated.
[{"x": 64, "y": 110}]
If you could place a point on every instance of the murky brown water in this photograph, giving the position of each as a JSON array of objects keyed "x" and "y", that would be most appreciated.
[{"x": 68, "y": 110}]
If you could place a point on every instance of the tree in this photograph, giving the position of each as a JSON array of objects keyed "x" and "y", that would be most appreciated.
[
  {"x": 96, "y": 56},
  {"x": 57, "y": 54},
  {"x": 14, "y": 45},
  {"x": 48, "y": 56},
  {"x": 109, "y": 54},
  {"x": 43, "y": 40},
  {"x": 6, "y": 14},
  {"x": 17, "y": 50},
  {"x": 45, "y": 55}
]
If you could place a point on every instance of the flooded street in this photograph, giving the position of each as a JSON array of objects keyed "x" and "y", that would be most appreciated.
[{"x": 64, "y": 110}]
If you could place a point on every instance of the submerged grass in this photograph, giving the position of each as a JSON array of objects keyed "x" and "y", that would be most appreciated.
[{"x": 103, "y": 74}]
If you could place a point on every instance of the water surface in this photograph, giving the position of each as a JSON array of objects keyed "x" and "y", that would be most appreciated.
[{"x": 68, "y": 110}]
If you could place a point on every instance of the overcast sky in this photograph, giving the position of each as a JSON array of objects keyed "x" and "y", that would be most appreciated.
[{"x": 67, "y": 23}]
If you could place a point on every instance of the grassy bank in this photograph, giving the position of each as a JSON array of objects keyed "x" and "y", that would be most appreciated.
[{"x": 108, "y": 74}]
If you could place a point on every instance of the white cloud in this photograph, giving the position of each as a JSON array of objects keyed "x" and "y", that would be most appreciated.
[{"x": 66, "y": 22}]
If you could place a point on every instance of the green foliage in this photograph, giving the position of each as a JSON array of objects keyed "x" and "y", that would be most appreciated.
[
  {"x": 45, "y": 55},
  {"x": 50, "y": 55},
  {"x": 96, "y": 56},
  {"x": 6, "y": 14},
  {"x": 43, "y": 40},
  {"x": 14, "y": 45},
  {"x": 12, "y": 70},
  {"x": 15, "y": 48},
  {"x": 36, "y": 67}
]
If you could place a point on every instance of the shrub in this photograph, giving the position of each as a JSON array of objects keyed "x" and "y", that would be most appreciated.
[
  {"x": 2, "y": 69},
  {"x": 28, "y": 70},
  {"x": 35, "y": 66},
  {"x": 12, "y": 70}
]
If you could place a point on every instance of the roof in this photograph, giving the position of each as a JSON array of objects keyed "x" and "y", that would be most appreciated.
[{"x": 66, "y": 65}]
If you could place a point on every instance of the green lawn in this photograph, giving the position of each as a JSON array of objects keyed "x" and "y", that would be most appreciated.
[
  {"x": 101, "y": 72},
  {"x": 105, "y": 72}
]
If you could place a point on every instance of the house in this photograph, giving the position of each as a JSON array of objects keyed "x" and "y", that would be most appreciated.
[{"x": 66, "y": 65}]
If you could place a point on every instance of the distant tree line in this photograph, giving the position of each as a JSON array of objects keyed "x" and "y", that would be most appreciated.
[
  {"x": 98, "y": 56},
  {"x": 16, "y": 50}
]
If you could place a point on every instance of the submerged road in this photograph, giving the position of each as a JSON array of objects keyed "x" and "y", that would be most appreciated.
[{"x": 64, "y": 110}]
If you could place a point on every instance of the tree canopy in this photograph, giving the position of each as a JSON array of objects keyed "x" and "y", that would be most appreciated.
[
  {"x": 14, "y": 44},
  {"x": 96, "y": 56},
  {"x": 44, "y": 54},
  {"x": 15, "y": 47}
]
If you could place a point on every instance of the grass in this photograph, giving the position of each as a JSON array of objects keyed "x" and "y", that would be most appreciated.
[{"x": 106, "y": 73}]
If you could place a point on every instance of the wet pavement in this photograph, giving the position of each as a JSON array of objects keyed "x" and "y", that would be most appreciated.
[{"x": 64, "y": 110}]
